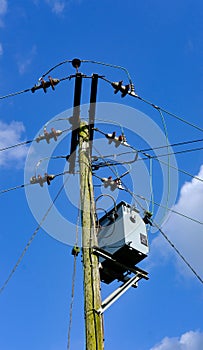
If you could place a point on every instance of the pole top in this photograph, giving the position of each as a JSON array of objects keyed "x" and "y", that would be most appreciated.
[{"x": 76, "y": 62}]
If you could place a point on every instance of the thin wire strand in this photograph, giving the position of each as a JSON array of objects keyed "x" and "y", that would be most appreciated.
[
  {"x": 110, "y": 65},
  {"x": 152, "y": 157},
  {"x": 166, "y": 111},
  {"x": 133, "y": 94},
  {"x": 178, "y": 252},
  {"x": 168, "y": 157},
  {"x": 73, "y": 281},
  {"x": 169, "y": 209},
  {"x": 54, "y": 67},
  {"x": 32, "y": 238},
  {"x": 181, "y": 143},
  {"x": 151, "y": 184},
  {"x": 14, "y": 188},
  {"x": 30, "y": 89},
  {"x": 125, "y": 187},
  {"x": 26, "y": 142},
  {"x": 14, "y": 94}
]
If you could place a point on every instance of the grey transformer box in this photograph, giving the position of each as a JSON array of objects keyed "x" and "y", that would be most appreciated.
[{"x": 122, "y": 234}]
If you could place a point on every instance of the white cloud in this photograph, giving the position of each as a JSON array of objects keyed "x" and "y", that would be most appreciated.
[
  {"x": 56, "y": 5},
  {"x": 25, "y": 61},
  {"x": 186, "y": 235},
  {"x": 188, "y": 341},
  {"x": 10, "y": 134},
  {"x": 3, "y": 7},
  {"x": 3, "y": 11}
]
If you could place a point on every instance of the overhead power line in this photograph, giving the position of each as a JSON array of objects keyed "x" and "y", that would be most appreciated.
[
  {"x": 50, "y": 178},
  {"x": 32, "y": 238},
  {"x": 148, "y": 156},
  {"x": 14, "y": 188},
  {"x": 27, "y": 142},
  {"x": 126, "y": 90},
  {"x": 178, "y": 252},
  {"x": 14, "y": 94},
  {"x": 44, "y": 85},
  {"x": 167, "y": 208},
  {"x": 181, "y": 143},
  {"x": 88, "y": 61},
  {"x": 172, "y": 153}
]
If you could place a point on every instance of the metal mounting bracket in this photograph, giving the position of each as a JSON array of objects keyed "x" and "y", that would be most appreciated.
[{"x": 130, "y": 282}]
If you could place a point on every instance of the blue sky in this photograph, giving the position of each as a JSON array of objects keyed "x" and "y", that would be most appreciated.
[{"x": 161, "y": 45}]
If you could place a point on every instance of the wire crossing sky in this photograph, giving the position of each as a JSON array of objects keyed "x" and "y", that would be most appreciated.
[{"x": 154, "y": 51}]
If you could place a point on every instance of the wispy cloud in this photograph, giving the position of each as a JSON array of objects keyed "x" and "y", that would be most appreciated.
[
  {"x": 3, "y": 11},
  {"x": 25, "y": 61},
  {"x": 11, "y": 134},
  {"x": 57, "y": 6},
  {"x": 184, "y": 233},
  {"x": 188, "y": 341}
]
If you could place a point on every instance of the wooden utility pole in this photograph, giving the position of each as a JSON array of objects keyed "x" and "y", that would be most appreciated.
[{"x": 92, "y": 297}]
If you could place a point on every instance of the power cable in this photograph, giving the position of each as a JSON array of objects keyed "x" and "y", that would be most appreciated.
[
  {"x": 154, "y": 202},
  {"x": 16, "y": 145},
  {"x": 26, "y": 142},
  {"x": 73, "y": 280},
  {"x": 54, "y": 67},
  {"x": 14, "y": 94},
  {"x": 112, "y": 66},
  {"x": 168, "y": 209},
  {"x": 133, "y": 94},
  {"x": 178, "y": 252},
  {"x": 125, "y": 187},
  {"x": 154, "y": 148},
  {"x": 14, "y": 188},
  {"x": 32, "y": 238},
  {"x": 43, "y": 85},
  {"x": 181, "y": 143},
  {"x": 180, "y": 170},
  {"x": 168, "y": 157},
  {"x": 167, "y": 112},
  {"x": 88, "y": 61},
  {"x": 156, "y": 158},
  {"x": 108, "y": 164},
  {"x": 29, "y": 184}
]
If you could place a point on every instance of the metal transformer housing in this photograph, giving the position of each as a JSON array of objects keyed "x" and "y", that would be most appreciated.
[{"x": 123, "y": 234}]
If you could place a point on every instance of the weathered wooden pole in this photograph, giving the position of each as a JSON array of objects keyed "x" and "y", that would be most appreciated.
[{"x": 92, "y": 297}]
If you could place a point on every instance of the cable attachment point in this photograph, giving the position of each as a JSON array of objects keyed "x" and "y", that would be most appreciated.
[
  {"x": 84, "y": 131},
  {"x": 112, "y": 183},
  {"x": 132, "y": 88},
  {"x": 42, "y": 179},
  {"x": 46, "y": 84},
  {"x": 75, "y": 250},
  {"x": 124, "y": 89},
  {"x": 118, "y": 140},
  {"x": 49, "y": 135},
  {"x": 76, "y": 62},
  {"x": 147, "y": 217}
]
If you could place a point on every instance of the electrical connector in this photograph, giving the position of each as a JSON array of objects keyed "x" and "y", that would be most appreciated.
[
  {"x": 112, "y": 183},
  {"x": 118, "y": 140},
  {"x": 46, "y": 84},
  {"x": 147, "y": 218},
  {"x": 42, "y": 179},
  {"x": 124, "y": 89},
  {"x": 75, "y": 250},
  {"x": 53, "y": 134}
]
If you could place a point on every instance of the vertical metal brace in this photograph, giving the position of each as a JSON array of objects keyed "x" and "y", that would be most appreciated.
[
  {"x": 92, "y": 110},
  {"x": 75, "y": 121}
]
